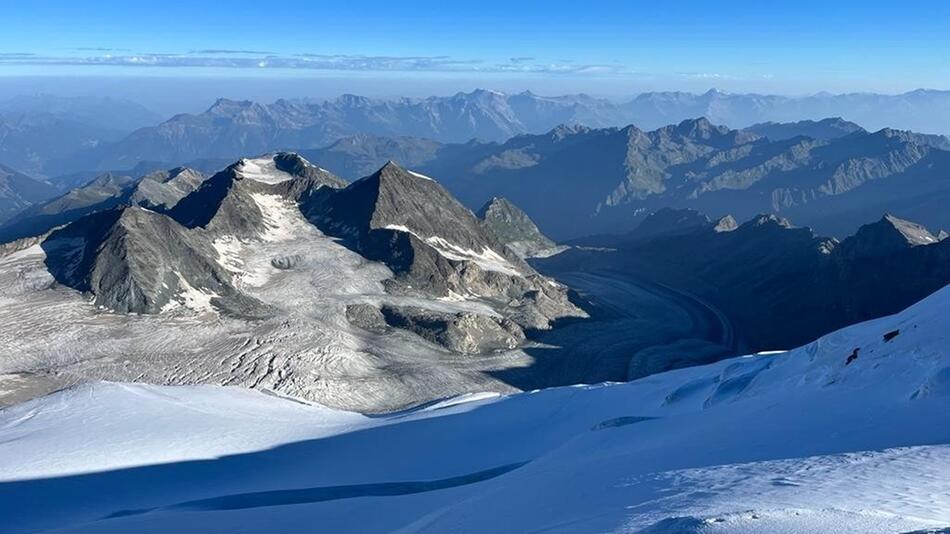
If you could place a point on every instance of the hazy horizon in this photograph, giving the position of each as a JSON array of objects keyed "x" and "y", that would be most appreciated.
[
  {"x": 169, "y": 95},
  {"x": 616, "y": 50}
]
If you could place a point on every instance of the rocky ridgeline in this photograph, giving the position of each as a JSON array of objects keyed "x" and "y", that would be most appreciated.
[
  {"x": 133, "y": 259},
  {"x": 437, "y": 248}
]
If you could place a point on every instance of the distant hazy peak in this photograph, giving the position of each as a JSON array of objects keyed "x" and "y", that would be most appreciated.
[
  {"x": 769, "y": 219},
  {"x": 726, "y": 224}
]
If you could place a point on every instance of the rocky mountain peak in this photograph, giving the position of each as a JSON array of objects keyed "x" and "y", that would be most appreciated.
[
  {"x": 515, "y": 229},
  {"x": 134, "y": 260},
  {"x": 769, "y": 219},
  {"x": 562, "y": 131},
  {"x": 726, "y": 224},
  {"x": 888, "y": 235},
  {"x": 226, "y": 106}
]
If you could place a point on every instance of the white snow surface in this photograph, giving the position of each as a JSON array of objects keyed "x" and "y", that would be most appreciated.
[
  {"x": 487, "y": 259},
  {"x": 263, "y": 169},
  {"x": 790, "y": 442},
  {"x": 419, "y": 175}
]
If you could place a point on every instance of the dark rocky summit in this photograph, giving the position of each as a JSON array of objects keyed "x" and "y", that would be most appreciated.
[
  {"x": 515, "y": 229},
  {"x": 435, "y": 246}
]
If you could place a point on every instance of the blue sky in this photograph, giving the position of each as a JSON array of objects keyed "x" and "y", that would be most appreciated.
[{"x": 596, "y": 47}]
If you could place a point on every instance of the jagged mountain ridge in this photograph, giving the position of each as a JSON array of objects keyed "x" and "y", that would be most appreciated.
[
  {"x": 230, "y": 128},
  {"x": 605, "y": 180},
  {"x": 159, "y": 190},
  {"x": 825, "y": 129},
  {"x": 922, "y": 110}
]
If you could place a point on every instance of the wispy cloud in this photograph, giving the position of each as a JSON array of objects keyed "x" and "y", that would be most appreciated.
[
  {"x": 227, "y": 51},
  {"x": 707, "y": 76},
  {"x": 255, "y": 59},
  {"x": 98, "y": 49}
]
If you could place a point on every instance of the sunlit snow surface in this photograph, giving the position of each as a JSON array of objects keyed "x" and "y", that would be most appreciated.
[
  {"x": 263, "y": 170},
  {"x": 785, "y": 442}
]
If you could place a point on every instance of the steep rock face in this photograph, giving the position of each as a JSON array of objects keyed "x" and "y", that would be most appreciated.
[
  {"x": 224, "y": 204},
  {"x": 134, "y": 260},
  {"x": 887, "y": 236},
  {"x": 435, "y": 245},
  {"x": 163, "y": 189},
  {"x": 515, "y": 229}
]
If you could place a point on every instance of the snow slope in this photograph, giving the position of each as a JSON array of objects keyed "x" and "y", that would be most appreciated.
[{"x": 801, "y": 441}]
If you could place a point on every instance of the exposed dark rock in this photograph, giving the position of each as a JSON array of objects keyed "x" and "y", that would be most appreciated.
[
  {"x": 466, "y": 333},
  {"x": 367, "y": 317},
  {"x": 515, "y": 229},
  {"x": 135, "y": 261},
  {"x": 887, "y": 236},
  {"x": 434, "y": 245}
]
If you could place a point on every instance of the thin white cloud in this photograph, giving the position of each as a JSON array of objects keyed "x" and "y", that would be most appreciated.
[{"x": 251, "y": 59}]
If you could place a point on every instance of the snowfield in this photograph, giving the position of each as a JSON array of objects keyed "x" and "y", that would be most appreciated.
[{"x": 850, "y": 433}]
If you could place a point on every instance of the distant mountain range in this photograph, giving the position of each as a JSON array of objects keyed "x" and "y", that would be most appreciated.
[
  {"x": 38, "y": 129},
  {"x": 922, "y": 110},
  {"x": 230, "y": 128},
  {"x": 19, "y": 191},
  {"x": 576, "y": 181}
]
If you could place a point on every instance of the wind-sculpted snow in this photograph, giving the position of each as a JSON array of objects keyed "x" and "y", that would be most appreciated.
[{"x": 808, "y": 440}]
